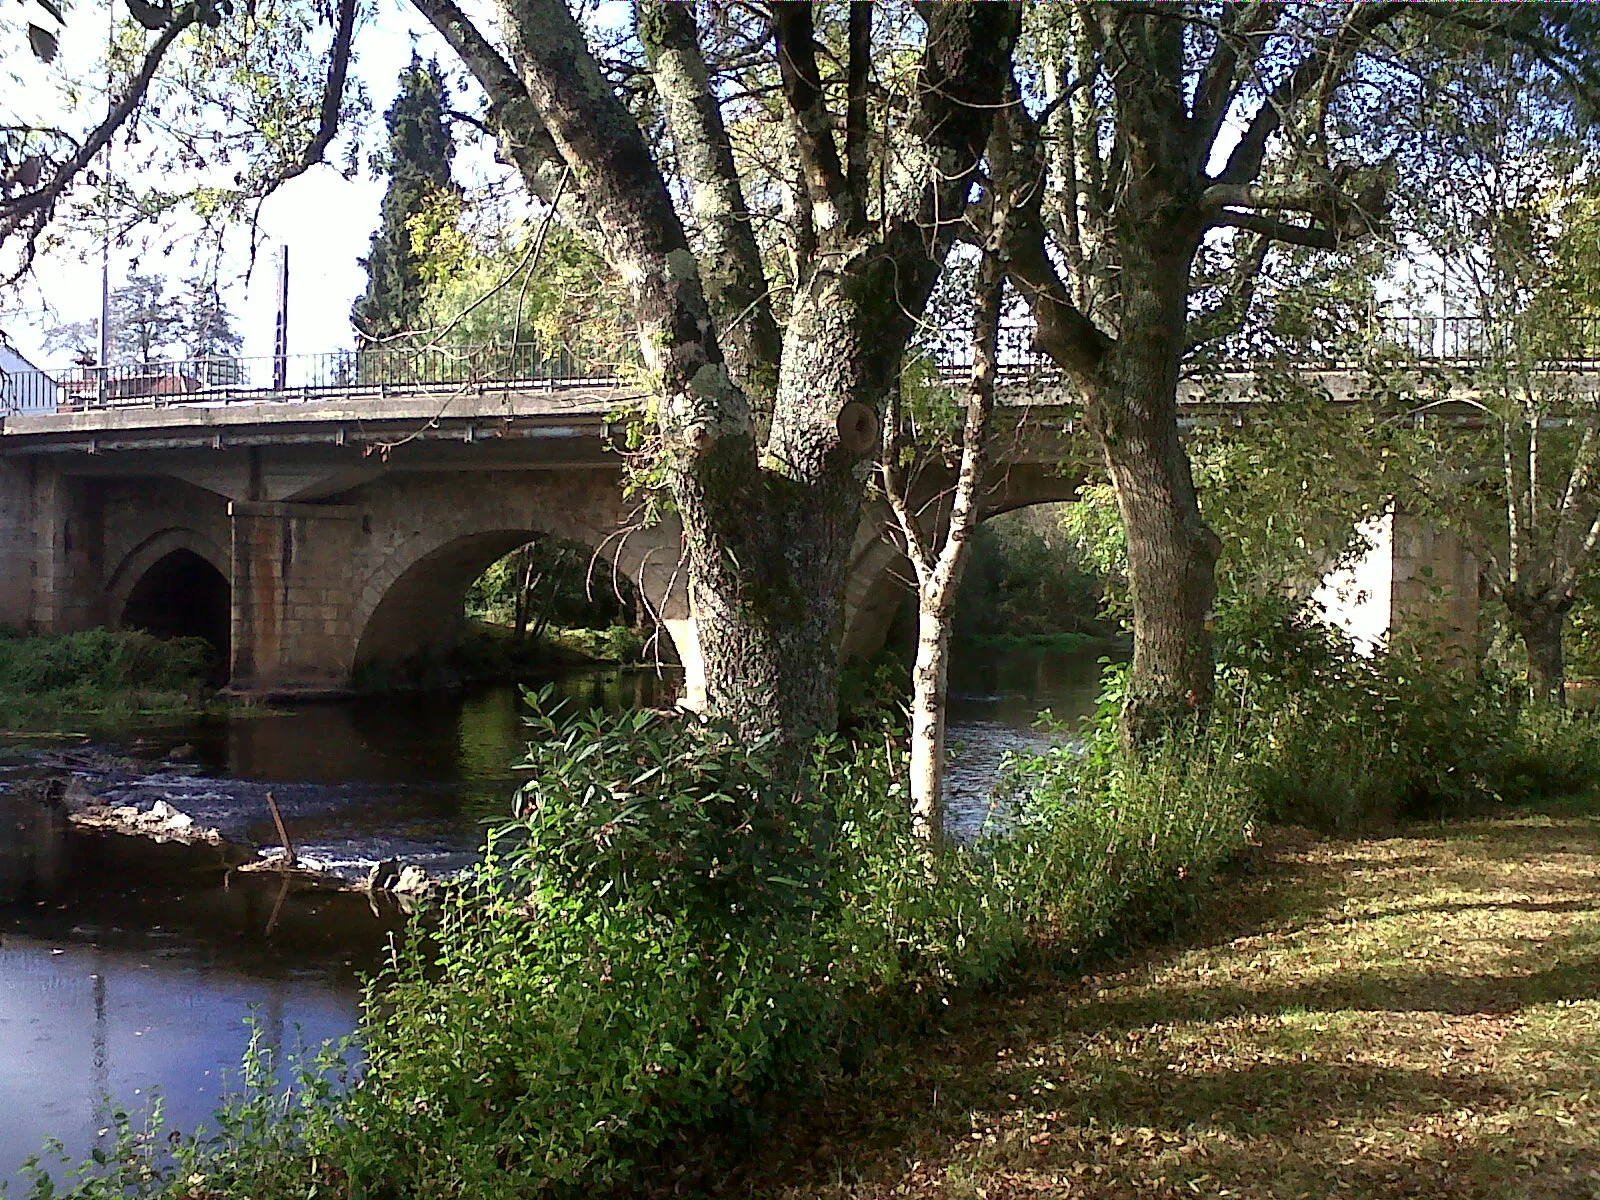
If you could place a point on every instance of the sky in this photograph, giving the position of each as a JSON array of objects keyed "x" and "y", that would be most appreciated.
[{"x": 324, "y": 219}]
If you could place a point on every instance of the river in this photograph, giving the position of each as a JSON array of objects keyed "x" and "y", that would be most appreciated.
[{"x": 129, "y": 969}]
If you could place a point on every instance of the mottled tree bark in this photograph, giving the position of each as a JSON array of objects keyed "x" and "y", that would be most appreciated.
[{"x": 1132, "y": 408}]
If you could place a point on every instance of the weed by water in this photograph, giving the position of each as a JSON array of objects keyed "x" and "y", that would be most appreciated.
[{"x": 100, "y": 672}]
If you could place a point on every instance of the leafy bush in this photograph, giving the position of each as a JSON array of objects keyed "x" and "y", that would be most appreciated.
[
  {"x": 100, "y": 670},
  {"x": 679, "y": 925},
  {"x": 101, "y": 658},
  {"x": 1027, "y": 579}
]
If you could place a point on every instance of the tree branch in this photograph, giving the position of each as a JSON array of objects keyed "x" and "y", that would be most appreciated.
[
  {"x": 34, "y": 208},
  {"x": 833, "y": 206},
  {"x": 524, "y": 141},
  {"x": 702, "y": 409},
  {"x": 1317, "y": 237},
  {"x": 1218, "y": 83},
  {"x": 1361, "y": 21},
  {"x": 730, "y": 267},
  {"x": 332, "y": 94},
  {"x": 856, "y": 118},
  {"x": 1062, "y": 331}
]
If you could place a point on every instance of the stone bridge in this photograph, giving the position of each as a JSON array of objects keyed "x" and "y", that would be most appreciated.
[
  {"x": 317, "y": 540},
  {"x": 317, "y": 537}
]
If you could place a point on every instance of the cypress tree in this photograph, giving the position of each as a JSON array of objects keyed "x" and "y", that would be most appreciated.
[{"x": 418, "y": 160}]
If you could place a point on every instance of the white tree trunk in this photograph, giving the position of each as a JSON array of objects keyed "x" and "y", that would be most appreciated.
[
  {"x": 929, "y": 695},
  {"x": 939, "y": 571}
]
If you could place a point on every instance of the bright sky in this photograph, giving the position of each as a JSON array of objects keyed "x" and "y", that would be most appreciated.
[{"x": 324, "y": 219}]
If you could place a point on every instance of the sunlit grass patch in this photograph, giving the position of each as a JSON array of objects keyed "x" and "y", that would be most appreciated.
[{"x": 1413, "y": 1016}]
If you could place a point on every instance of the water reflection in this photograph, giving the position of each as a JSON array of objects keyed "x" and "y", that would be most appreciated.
[{"x": 79, "y": 1023}]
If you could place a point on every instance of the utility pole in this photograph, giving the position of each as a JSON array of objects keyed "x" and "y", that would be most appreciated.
[
  {"x": 280, "y": 342},
  {"x": 103, "y": 391}
]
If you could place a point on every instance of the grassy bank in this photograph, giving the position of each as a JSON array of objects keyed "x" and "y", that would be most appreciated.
[
  {"x": 684, "y": 938},
  {"x": 99, "y": 674},
  {"x": 1404, "y": 1016}
]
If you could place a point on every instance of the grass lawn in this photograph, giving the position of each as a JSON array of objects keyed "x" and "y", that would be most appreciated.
[{"x": 1411, "y": 1016}]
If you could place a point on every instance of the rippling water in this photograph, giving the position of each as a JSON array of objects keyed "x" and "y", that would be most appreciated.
[{"x": 128, "y": 967}]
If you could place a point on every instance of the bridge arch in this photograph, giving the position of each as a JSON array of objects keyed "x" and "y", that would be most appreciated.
[
  {"x": 174, "y": 584},
  {"x": 411, "y": 610},
  {"x": 880, "y": 573}
]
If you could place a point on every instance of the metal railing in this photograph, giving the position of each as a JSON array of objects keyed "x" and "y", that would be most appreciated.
[
  {"x": 379, "y": 370},
  {"x": 1461, "y": 341},
  {"x": 390, "y": 370}
]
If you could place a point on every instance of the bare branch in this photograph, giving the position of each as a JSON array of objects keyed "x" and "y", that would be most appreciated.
[
  {"x": 831, "y": 201},
  {"x": 730, "y": 268}
]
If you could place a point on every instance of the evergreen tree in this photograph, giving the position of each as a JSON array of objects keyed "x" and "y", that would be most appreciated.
[
  {"x": 207, "y": 326},
  {"x": 418, "y": 160}
]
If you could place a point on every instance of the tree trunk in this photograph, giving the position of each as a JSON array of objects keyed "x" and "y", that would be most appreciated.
[
  {"x": 939, "y": 572},
  {"x": 929, "y": 685},
  {"x": 768, "y": 566},
  {"x": 525, "y": 584},
  {"x": 1540, "y": 630},
  {"x": 1172, "y": 553}
]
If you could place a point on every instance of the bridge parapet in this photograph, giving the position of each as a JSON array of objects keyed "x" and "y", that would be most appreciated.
[{"x": 383, "y": 372}]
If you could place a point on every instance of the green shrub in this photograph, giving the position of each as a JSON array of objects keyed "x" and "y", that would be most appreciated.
[
  {"x": 679, "y": 924},
  {"x": 101, "y": 671}
]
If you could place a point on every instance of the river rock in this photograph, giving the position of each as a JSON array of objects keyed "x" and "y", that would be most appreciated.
[
  {"x": 163, "y": 816},
  {"x": 384, "y": 875},
  {"x": 76, "y": 797},
  {"x": 413, "y": 881}
]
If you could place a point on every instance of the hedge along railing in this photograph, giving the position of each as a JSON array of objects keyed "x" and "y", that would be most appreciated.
[{"x": 377, "y": 369}]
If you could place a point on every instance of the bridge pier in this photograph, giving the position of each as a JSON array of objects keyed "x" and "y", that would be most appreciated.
[
  {"x": 293, "y": 598},
  {"x": 1417, "y": 587}
]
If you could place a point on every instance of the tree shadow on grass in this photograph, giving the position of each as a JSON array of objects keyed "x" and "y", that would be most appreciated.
[{"x": 1049, "y": 1068}]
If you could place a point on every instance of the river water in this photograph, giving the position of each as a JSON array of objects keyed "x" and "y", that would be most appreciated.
[{"x": 129, "y": 969}]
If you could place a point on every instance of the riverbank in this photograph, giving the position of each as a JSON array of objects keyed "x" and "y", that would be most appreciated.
[
  {"x": 101, "y": 678},
  {"x": 1401, "y": 1016}
]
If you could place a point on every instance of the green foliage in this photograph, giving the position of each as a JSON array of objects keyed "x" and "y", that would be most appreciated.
[
  {"x": 100, "y": 670},
  {"x": 566, "y": 587},
  {"x": 420, "y": 150},
  {"x": 1337, "y": 739},
  {"x": 678, "y": 930},
  {"x": 1025, "y": 579}
]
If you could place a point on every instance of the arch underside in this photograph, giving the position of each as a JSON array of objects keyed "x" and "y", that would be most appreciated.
[
  {"x": 420, "y": 616},
  {"x": 180, "y": 594}
]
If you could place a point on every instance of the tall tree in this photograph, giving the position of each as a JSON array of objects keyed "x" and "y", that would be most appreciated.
[
  {"x": 206, "y": 327},
  {"x": 764, "y": 431},
  {"x": 418, "y": 157},
  {"x": 145, "y": 322},
  {"x": 1505, "y": 203},
  {"x": 1143, "y": 133}
]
